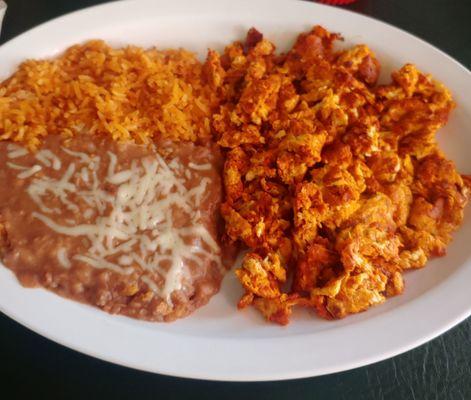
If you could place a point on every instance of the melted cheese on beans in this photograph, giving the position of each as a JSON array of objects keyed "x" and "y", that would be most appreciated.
[{"x": 134, "y": 223}]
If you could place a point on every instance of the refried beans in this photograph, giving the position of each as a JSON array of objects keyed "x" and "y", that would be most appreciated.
[{"x": 129, "y": 228}]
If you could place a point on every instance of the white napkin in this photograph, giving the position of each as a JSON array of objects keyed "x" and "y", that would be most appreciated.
[{"x": 3, "y": 7}]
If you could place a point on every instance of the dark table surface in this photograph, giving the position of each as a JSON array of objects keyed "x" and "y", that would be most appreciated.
[{"x": 34, "y": 367}]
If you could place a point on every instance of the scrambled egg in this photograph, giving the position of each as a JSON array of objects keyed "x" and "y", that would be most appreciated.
[{"x": 334, "y": 184}]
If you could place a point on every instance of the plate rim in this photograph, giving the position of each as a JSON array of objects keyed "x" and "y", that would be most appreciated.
[{"x": 300, "y": 373}]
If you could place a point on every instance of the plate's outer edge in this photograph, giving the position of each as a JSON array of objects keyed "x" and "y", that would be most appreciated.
[{"x": 232, "y": 359}]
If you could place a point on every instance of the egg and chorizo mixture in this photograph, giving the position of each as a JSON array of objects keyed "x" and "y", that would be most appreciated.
[
  {"x": 133, "y": 175},
  {"x": 334, "y": 184}
]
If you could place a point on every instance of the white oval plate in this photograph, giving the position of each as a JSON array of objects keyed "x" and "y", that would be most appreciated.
[{"x": 217, "y": 342}]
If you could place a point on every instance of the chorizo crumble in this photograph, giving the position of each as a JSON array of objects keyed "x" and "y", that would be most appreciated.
[{"x": 330, "y": 178}]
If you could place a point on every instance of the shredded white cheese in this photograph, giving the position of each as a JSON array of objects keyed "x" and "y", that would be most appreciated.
[
  {"x": 62, "y": 257},
  {"x": 199, "y": 167},
  {"x": 29, "y": 172},
  {"x": 49, "y": 159},
  {"x": 20, "y": 152}
]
